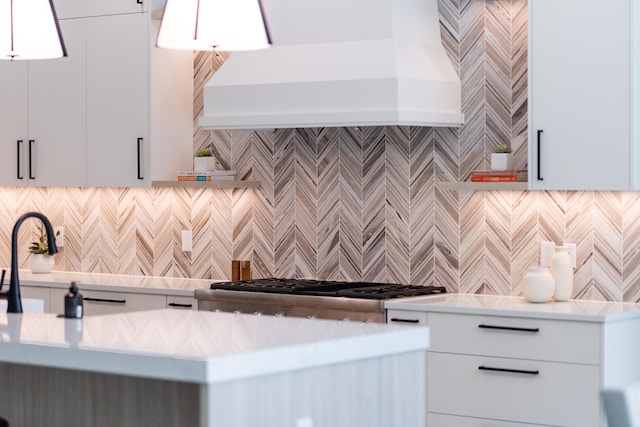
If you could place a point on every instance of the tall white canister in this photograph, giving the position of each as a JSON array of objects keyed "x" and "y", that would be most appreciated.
[{"x": 561, "y": 269}]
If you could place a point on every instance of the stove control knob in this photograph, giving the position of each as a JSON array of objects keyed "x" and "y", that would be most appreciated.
[
  {"x": 258, "y": 313},
  {"x": 237, "y": 312},
  {"x": 311, "y": 316},
  {"x": 346, "y": 319},
  {"x": 279, "y": 314}
]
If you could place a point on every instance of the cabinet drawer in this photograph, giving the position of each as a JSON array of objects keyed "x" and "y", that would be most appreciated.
[
  {"x": 454, "y": 421},
  {"x": 540, "y": 339},
  {"x": 536, "y": 392},
  {"x": 103, "y": 302},
  {"x": 403, "y": 317}
]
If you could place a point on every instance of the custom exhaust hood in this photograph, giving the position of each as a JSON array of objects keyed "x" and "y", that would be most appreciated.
[{"x": 339, "y": 63}]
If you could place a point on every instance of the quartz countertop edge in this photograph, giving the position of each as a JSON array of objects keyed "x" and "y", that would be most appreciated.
[
  {"x": 517, "y": 306},
  {"x": 197, "y": 347},
  {"x": 110, "y": 282}
]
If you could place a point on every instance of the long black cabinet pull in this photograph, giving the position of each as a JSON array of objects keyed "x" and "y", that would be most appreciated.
[
  {"x": 19, "y": 174},
  {"x": 31, "y": 141},
  {"x": 540, "y": 178},
  {"x": 175, "y": 304},
  {"x": 140, "y": 158},
  {"x": 395, "y": 319},
  {"x": 113, "y": 301},
  {"x": 509, "y": 328},
  {"x": 513, "y": 371}
]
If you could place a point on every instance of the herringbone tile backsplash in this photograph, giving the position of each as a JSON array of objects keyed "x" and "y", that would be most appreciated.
[{"x": 361, "y": 203}]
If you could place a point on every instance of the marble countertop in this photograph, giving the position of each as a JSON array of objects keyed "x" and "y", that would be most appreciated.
[
  {"x": 581, "y": 310},
  {"x": 117, "y": 282},
  {"x": 196, "y": 346}
]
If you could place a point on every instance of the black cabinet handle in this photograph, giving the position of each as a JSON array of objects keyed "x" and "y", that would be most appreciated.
[
  {"x": 175, "y": 304},
  {"x": 395, "y": 319},
  {"x": 540, "y": 178},
  {"x": 509, "y": 328},
  {"x": 139, "y": 1},
  {"x": 513, "y": 371},
  {"x": 140, "y": 158},
  {"x": 19, "y": 174},
  {"x": 112, "y": 301},
  {"x": 31, "y": 141}
]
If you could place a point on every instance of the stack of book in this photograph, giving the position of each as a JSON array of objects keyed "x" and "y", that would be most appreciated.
[
  {"x": 218, "y": 175},
  {"x": 495, "y": 176}
]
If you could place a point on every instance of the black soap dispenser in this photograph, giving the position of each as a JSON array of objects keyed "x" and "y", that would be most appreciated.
[{"x": 73, "y": 303}]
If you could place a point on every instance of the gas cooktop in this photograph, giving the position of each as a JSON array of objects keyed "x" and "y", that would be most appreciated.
[{"x": 328, "y": 288}]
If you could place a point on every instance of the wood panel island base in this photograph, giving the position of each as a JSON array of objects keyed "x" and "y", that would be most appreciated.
[{"x": 191, "y": 368}]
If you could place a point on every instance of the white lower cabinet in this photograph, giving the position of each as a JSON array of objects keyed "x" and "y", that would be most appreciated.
[{"x": 523, "y": 370}]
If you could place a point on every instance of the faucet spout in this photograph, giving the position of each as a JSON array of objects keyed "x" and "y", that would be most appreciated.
[{"x": 14, "y": 302}]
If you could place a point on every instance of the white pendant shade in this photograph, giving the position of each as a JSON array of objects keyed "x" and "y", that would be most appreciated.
[
  {"x": 213, "y": 25},
  {"x": 29, "y": 30}
]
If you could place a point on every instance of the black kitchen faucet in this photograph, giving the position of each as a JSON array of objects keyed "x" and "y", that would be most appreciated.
[{"x": 14, "y": 302}]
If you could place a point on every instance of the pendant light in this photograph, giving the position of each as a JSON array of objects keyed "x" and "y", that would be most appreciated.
[
  {"x": 213, "y": 25},
  {"x": 29, "y": 30}
]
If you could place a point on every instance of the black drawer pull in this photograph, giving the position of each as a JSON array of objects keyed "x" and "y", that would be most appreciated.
[
  {"x": 540, "y": 178},
  {"x": 114, "y": 301},
  {"x": 513, "y": 371},
  {"x": 175, "y": 304},
  {"x": 18, "y": 156},
  {"x": 509, "y": 328},
  {"x": 395, "y": 319},
  {"x": 140, "y": 158},
  {"x": 31, "y": 142}
]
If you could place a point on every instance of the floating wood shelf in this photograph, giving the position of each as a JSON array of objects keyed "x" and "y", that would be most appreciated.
[
  {"x": 483, "y": 186},
  {"x": 206, "y": 184}
]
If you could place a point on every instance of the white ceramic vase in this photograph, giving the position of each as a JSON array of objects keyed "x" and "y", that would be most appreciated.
[
  {"x": 538, "y": 285},
  {"x": 500, "y": 161},
  {"x": 561, "y": 268},
  {"x": 41, "y": 264},
  {"x": 204, "y": 163}
]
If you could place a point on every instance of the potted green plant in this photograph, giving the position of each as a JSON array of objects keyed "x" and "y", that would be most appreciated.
[
  {"x": 40, "y": 260},
  {"x": 204, "y": 160},
  {"x": 501, "y": 158}
]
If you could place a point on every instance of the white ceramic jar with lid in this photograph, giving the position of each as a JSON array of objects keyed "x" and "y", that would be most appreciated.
[{"x": 561, "y": 268}]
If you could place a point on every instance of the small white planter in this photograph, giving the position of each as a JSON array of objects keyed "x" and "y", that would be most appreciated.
[
  {"x": 204, "y": 163},
  {"x": 500, "y": 161},
  {"x": 41, "y": 264}
]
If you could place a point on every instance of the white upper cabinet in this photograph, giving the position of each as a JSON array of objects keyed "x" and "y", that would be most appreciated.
[
  {"x": 42, "y": 116},
  {"x": 582, "y": 134},
  {"x": 117, "y": 100},
  {"x": 117, "y": 112}
]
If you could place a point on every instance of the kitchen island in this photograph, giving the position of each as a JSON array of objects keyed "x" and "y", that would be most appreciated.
[{"x": 192, "y": 368}]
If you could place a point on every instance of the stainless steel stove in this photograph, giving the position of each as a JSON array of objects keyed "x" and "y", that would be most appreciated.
[{"x": 322, "y": 299}]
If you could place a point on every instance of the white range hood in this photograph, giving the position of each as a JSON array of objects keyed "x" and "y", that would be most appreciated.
[{"x": 339, "y": 63}]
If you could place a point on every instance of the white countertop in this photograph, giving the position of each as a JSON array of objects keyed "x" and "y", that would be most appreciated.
[
  {"x": 589, "y": 311},
  {"x": 119, "y": 282},
  {"x": 196, "y": 346}
]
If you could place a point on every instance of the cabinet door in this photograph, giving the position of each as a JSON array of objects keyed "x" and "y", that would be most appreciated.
[
  {"x": 13, "y": 121},
  {"x": 117, "y": 100},
  {"x": 55, "y": 150},
  {"x": 579, "y": 95},
  {"x": 114, "y": 7}
]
